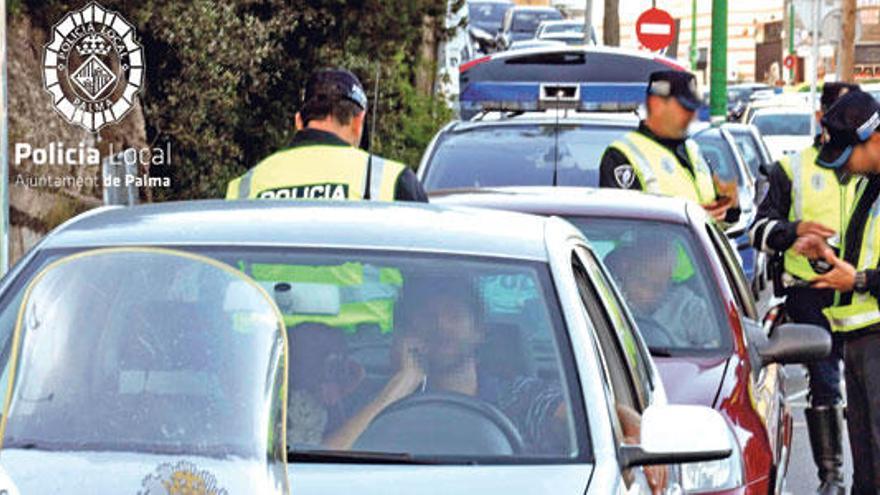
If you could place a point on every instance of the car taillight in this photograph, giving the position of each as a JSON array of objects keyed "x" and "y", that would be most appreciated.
[{"x": 477, "y": 61}]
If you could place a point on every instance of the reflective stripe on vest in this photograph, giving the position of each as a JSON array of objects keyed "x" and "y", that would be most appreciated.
[
  {"x": 318, "y": 172},
  {"x": 863, "y": 311},
  {"x": 660, "y": 172},
  {"x": 816, "y": 196},
  {"x": 366, "y": 294}
]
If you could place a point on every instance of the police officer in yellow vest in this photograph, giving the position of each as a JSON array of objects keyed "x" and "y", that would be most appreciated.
[
  {"x": 852, "y": 144},
  {"x": 804, "y": 198},
  {"x": 323, "y": 162},
  {"x": 658, "y": 157}
]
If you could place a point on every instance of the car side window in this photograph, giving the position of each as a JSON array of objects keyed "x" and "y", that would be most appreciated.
[
  {"x": 733, "y": 272},
  {"x": 616, "y": 313},
  {"x": 622, "y": 383}
]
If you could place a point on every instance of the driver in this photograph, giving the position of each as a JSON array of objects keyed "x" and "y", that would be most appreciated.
[
  {"x": 668, "y": 314},
  {"x": 437, "y": 352}
]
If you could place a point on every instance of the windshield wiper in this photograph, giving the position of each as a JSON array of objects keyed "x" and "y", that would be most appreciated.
[{"x": 355, "y": 457}]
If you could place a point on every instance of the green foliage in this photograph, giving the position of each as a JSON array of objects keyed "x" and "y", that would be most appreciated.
[{"x": 224, "y": 78}]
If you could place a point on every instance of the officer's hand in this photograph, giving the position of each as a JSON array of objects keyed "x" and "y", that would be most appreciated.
[
  {"x": 813, "y": 247},
  {"x": 718, "y": 208},
  {"x": 806, "y": 227},
  {"x": 841, "y": 278}
]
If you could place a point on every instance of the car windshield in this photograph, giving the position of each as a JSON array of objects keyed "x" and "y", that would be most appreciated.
[
  {"x": 147, "y": 351},
  {"x": 527, "y": 22},
  {"x": 520, "y": 155},
  {"x": 718, "y": 153},
  {"x": 563, "y": 28},
  {"x": 662, "y": 274},
  {"x": 748, "y": 147},
  {"x": 487, "y": 13},
  {"x": 783, "y": 124},
  {"x": 365, "y": 330}
]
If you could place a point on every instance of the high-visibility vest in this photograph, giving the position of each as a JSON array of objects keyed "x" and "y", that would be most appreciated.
[
  {"x": 862, "y": 311},
  {"x": 367, "y": 294},
  {"x": 660, "y": 172},
  {"x": 816, "y": 196},
  {"x": 318, "y": 172}
]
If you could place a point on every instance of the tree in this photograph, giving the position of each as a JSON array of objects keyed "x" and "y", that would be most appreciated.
[{"x": 611, "y": 23}]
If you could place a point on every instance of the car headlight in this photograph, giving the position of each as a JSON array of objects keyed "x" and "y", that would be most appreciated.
[{"x": 709, "y": 476}]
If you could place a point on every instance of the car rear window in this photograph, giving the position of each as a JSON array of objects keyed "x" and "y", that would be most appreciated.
[
  {"x": 519, "y": 155},
  {"x": 783, "y": 124}
]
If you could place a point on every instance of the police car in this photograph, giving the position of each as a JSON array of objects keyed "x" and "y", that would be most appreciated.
[{"x": 275, "y": 346}]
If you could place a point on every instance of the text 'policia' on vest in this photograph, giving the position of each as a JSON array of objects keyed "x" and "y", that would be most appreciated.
[{"x": 323, "y": 162}]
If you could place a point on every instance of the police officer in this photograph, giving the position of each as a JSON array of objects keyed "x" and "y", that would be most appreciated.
[
  {"x": 323, "y": 162},
  {"x": 658, "y": 157},
  {"x": 802, "y": 199},
  {"x": 852, "y": 145}
]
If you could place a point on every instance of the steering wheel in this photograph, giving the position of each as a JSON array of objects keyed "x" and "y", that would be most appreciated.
[{"x": 442, "y": 423}]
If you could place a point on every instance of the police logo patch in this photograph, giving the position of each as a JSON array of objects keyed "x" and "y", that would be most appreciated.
[
  {"x": 625, "y": 176},
  {"x": 183, "y": 478},
  {"x": 818, "y": 182},
  {"x": 668, "y": 166},
  {"x": 312, "y": 191}
]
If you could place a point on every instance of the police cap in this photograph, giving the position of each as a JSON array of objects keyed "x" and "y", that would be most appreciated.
[
  {"x": 675, "y": 83},
  {"x": 336, "y": 84},
  {"x": 849, "y": 122}
]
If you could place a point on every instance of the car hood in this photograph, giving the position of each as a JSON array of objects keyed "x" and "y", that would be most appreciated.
[
  {"x": 96, "y": 473},
  {"x": 780, "y": 145},
  {"x": 320, "y": 479},
  {"x": 692, "y": 380}
]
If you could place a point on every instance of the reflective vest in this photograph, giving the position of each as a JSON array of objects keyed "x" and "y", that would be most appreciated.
[
  {"x": 318, "y": 172},
  {"x": 862, "y": 311},
  {"x": 366, "y": 294},
  {"x": 660, "y": 172},
  {"x": 816, "y": 196}
]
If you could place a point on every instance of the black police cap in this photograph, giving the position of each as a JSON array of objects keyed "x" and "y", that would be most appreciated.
[
  {"x": 849, "y": 122},
  {"x": 833, "y": 90},
  {"x": 675, "y": 83},
  {"x": 336, "y": 83}
]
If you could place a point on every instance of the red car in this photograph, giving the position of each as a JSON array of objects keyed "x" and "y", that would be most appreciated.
[{"x": 688, "y": 295}]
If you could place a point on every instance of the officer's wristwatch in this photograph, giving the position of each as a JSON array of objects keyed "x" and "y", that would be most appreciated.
[{"x": 861, "y": 282}]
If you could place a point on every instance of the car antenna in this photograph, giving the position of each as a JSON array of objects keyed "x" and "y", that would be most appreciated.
[
  {"x": 372, "y": 133},
  {"x": 556, "y": 139}
]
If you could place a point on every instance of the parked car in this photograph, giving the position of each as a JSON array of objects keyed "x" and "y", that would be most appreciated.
[
  {"x": 693, "y": 306},
  {"x": 738, "y": 96},
  {"x": 485, "y": 18},
  {"x": 154, "y": 343},
  {"x": 521, "y": 22},
  {"x": 570, "y": 31},
  {"x": 786, "y": 130}
]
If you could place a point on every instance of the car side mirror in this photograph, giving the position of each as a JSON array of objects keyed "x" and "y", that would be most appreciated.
[
  {"x": 677, "y": 434},
  {"x": 794, "y": 343}
]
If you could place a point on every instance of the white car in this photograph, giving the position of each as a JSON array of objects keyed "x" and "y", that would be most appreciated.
[{"x": 786, "y": 130}]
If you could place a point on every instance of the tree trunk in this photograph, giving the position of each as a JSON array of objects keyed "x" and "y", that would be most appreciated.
[
  {"x": 847, "y": 42},
  {"x": 611, "y": 24}
]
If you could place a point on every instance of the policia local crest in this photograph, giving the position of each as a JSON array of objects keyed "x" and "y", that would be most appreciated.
[{"x": 93, "y": 67}]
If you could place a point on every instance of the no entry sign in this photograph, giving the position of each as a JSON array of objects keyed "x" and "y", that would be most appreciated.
[{"x": 655, "y": 29}]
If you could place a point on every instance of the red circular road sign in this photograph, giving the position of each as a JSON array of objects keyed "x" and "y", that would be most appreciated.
[
  {"x": 789, "y": 62},
  {"x": 655, "y": 29}
]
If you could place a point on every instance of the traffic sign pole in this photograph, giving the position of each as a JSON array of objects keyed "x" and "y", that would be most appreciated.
[{"x": 718, "y": 93}]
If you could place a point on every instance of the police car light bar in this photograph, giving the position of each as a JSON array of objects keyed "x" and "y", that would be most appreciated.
[{"x": 480, "y": 97}]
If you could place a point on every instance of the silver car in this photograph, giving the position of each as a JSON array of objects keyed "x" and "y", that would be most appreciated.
[{"x": 276, "y": 347}]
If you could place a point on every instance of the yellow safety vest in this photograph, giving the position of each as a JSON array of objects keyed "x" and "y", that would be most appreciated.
[
  {"x": 816, "y": 196},
  {"x": 863, "y": 310},
  {"x": 660, "y": 172},
  {"x": 318, "y": 172},
  {"x": 367, "y": 294}
]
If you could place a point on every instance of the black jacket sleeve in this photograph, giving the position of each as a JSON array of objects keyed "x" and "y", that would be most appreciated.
[
  {"x": 772, "y": 231},
  {"x": 409, "y": 188},
  {"x": 615, "y": 171}
]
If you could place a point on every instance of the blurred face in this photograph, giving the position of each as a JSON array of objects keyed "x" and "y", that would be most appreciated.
[
  {"x": 646, "y": 282},
  {"x": 865, "y": 158},
  {"x": 449, "y": 332},
  {"x": 668, "y": 118}
]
